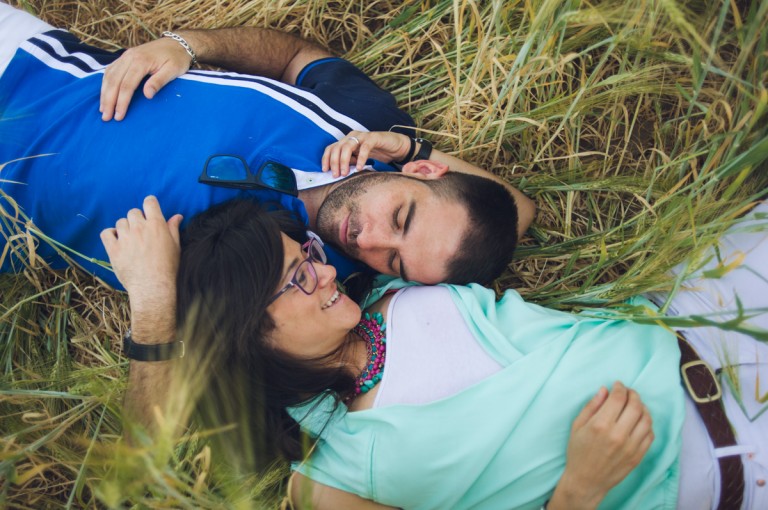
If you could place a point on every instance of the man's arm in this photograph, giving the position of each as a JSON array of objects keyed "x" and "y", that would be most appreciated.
[
  {"x": 389, "y": 146},
  {"x": 144, "y": 251},
  {"x": 257, "y": 51}
]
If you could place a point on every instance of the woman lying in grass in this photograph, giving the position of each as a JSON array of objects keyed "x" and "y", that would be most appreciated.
[{"x": 442, "y": 397}]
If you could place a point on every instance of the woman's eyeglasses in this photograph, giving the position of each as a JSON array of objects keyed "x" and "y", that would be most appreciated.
[
  {"x": 305, "y": 276},
  {"x": 232, "y": 171}
]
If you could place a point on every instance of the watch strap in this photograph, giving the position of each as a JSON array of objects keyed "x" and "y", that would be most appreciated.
[
  {"x": 425, "y": 149},
  {"x": 408, "y": 157},
  {"x": 152, "y": 352}
]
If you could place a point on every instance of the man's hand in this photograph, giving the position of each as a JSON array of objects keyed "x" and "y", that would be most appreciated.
[
  {"x": 386, "y": 147},
  {"x": 163, "y": 60},
  {"x": 608, "y": 440},
  {"x": 250, "y": 50},
  {"x": 144, "y": 251},
  {"x": 358, "y": 146}
]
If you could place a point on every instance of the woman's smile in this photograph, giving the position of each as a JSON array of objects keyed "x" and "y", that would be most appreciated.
[{"x": 333, "y": 300}]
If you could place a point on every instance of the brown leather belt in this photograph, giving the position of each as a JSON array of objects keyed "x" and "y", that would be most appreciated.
[{"x": 704, "y": 389}]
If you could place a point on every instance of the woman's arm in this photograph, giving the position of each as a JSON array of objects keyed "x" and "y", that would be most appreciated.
[
  {"x": 144, "y": 251},
  {"x": 307, "y": 494},
  {"x": 608, "y": 440}
]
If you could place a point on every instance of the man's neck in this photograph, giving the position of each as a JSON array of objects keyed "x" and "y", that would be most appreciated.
[{"x": 313, "y": 199}]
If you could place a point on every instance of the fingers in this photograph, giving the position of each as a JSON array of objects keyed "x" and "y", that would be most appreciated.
[
  {"x": 645, "y": 444},
  {"x": 173, "y": 227},
  {"x": 632, "y": 412},
  {"x": 163, "y": 60},
  {"x": 362, "y": 154},
  {"x": 591, "y": 408},
  {"x": 615, "y": 403},
  {"x": 109, "y": 240},
  {"x": 136, "y": 218},
  {"x": 349, "y": 150},
  {"x": 144, "y": 251},
  {"x": 121, "y": 227},
  {"x": 120, "y": 82},
  {"x": 110, "y": 86},
  {"x": 642, "y": 435},
  {"x": 626, "y": 423},
  {"x": 159, "y": 80},
  {"x": 152, "y": 210},
  {"x": 338, "y": 156}
]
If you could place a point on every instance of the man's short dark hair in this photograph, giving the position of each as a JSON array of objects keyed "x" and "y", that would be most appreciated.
[{"x": 491, "y": 236}]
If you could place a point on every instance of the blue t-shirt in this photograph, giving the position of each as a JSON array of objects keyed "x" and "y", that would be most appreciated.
[{"x": 74, "y": 175}]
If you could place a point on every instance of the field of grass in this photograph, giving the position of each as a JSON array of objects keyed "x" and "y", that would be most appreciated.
[{"x": 638, "y": 127}]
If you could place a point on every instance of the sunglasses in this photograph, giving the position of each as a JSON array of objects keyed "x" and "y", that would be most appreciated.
[
  {"x": 232, "y": 171},
  {"x": 305, "y": 276}
]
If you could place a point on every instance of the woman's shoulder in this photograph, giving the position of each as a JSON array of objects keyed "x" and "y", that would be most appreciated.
[{"x": 414, "y": 295}]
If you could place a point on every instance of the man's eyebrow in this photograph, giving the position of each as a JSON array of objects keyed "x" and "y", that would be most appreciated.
[{"x": 406, "y": 226}]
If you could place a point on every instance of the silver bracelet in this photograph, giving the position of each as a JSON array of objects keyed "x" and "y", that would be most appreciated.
[{"x": 184, "y": 44}]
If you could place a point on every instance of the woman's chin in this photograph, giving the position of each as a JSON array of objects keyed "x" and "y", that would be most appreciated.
[{"x": 350, "y": 309}]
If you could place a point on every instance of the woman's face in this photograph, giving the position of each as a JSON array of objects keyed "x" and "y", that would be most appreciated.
[{"x": 310, "y": 326}]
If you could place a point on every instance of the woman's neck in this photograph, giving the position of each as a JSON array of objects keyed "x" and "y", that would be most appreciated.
[{"x": 359, "y": 353}]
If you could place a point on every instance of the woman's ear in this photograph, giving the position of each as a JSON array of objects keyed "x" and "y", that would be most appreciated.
[{"x": 425, "y": 169}]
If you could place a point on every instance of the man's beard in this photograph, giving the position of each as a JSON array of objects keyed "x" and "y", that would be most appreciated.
[{"x": 345, "y": 198}]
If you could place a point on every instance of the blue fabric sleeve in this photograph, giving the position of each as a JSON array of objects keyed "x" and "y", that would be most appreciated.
[{"x": 348, "y": 90}]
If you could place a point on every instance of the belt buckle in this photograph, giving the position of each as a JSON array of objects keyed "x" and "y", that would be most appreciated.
[{"x": 707, "y": 398}]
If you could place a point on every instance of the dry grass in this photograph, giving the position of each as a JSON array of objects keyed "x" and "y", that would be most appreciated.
[{"x": 638, "y": 127}]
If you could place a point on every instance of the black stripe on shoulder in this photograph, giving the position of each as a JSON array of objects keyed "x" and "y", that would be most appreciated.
[
  {"x": 286, "y": 91},
  {"x": 73, "y": 45}
]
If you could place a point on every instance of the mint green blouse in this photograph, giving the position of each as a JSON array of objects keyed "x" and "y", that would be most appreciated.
[{"x": 501, "y": 443}]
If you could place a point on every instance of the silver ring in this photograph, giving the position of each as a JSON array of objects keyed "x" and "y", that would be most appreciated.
[{"x": 354, "y": 138}]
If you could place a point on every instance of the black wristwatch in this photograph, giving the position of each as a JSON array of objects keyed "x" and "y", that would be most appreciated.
[
  {"x": 151, "y": 352},
  {"x": 425, "y": 149}
]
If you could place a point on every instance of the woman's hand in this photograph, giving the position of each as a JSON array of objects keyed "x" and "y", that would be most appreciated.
[
  {"x": 608, "y": 440},
  {"x": 383, "y": 146},
  {"x": 163, "y": 59},
  {"x": 144, "y": 251}
]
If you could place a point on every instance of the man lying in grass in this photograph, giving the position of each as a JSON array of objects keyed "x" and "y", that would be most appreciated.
[{"x": 74, "y": 172}]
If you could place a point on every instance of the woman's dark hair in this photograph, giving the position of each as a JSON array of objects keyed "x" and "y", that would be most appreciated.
[{"x": 231, "y": 265}]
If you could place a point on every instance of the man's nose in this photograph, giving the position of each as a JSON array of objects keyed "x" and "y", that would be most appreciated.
[{"x": 371, "y": 237}]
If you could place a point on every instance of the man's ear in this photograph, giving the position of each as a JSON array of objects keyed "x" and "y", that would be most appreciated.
[{"x": 425, "y": 169}]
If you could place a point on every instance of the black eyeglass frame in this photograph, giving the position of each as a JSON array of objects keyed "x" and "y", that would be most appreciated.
[
  {"x": 312, "y": 243},
  {"x": 253, "y": 180}
]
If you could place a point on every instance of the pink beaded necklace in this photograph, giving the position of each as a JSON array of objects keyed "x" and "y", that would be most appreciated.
[{"x": 371, "y": 328}]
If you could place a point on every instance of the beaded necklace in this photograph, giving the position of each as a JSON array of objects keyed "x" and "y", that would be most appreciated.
[{"x": 371, "y": 328}]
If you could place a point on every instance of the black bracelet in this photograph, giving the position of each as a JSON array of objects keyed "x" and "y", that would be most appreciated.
[
  {"x": 408, "y": 156},
  {"x": 151, "y": 352}
]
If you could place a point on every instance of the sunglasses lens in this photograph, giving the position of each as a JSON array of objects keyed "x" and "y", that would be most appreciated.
[
  {"x": 226, "y": 168},
  {"x": 278, "y": 177}
]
